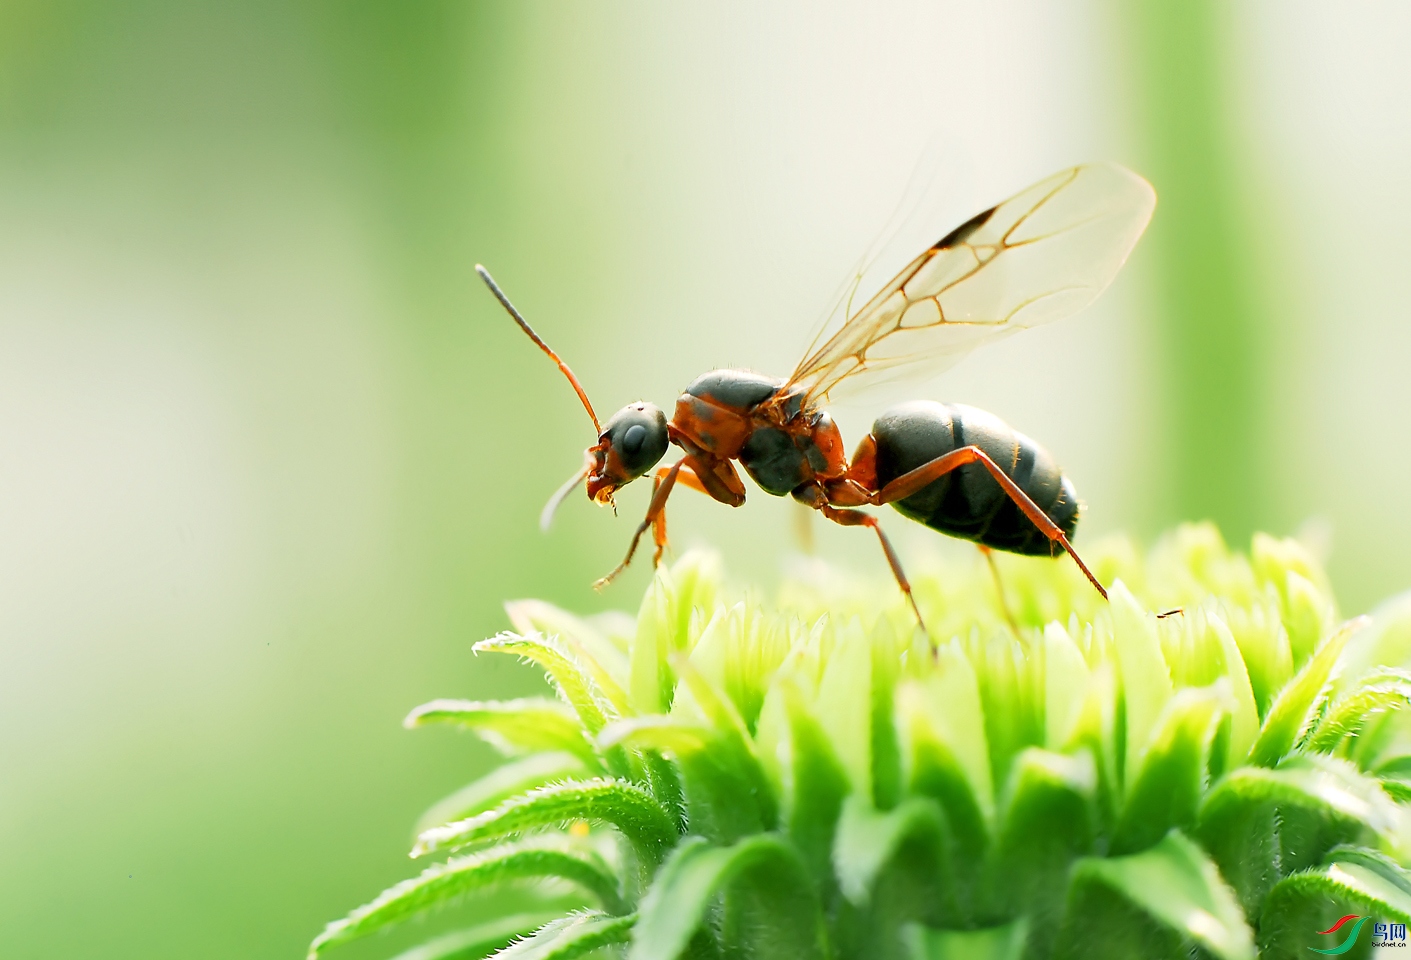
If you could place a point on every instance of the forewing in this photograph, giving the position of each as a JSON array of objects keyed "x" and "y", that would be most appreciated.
[{"x": 1043, "y": 254}]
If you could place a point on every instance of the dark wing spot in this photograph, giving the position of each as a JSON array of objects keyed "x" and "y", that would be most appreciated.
[{"x": 962, "y": 232}]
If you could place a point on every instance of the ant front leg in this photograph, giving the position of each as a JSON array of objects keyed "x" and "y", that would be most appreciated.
[
  {"x": 661, "y": 490},
  {"x": 720, "y": 483},
  {"x": 928, "y": 473}
]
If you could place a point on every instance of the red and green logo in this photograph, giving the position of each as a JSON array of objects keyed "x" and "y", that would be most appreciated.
[{"x": 1347, "y": 944}]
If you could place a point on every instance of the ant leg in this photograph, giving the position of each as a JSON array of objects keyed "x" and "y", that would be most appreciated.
[
  {"x": 856, "y": 518},
  {"x": 663, "y": 487},
  {"x": 687, "y": 477},
  {"x": 989, "y": 556},
  {"x": 914, "y": 480}
]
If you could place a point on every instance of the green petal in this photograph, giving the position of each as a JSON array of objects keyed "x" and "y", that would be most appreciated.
[
  {"x": 570, "y": 678},
  {"x": 995, "y": 943},
  {"x": 1294, "y": 706},
  {"x": 570, "y": 937},
  {"x": 1379, "y": 693},
  {"x": 697, "y": 873},
  {"x": 808, "y": 774},
  {"x": 650, "y": 680},
  {"x": 630, "y": 809},
  {"x": 1145, "y": 681},
  {"x": 1167, "y": 790},
  {"x": 1049, "y": 819},
  {"x": 869, "y": 840},
  {"x": 724, "y": 786},
  {"x": 937, "y": 772},
  {"x": 475, "y": 942},
  {"x": 1352, "y": 881},
  {"x": 529, "y": 725},
  {"x": 846, "y": 690},
  {"x": 1260, "y": 825},
  {"x": 606, "y": 665},
  {"x": 497, "y": 786},
  {"x": 444, "y": 883},
  {"x": 1151, "y": 904}
]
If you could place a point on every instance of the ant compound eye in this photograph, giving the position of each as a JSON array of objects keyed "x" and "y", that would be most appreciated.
[{"x": 637, "y": 435}]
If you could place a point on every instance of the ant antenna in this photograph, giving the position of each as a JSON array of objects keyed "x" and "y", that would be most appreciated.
[{"x": 524, "y": 325}]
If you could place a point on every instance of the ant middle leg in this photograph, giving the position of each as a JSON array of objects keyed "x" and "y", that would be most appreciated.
[
  {"x": 856, "y": 518},
  {"x": 989, "y": 556},
  {"x": 926, "y": 474}
]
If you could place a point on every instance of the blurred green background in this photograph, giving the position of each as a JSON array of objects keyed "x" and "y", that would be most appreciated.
[{"x": 270, "y": 458}]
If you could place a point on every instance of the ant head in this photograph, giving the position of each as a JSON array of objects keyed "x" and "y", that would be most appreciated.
[
  {"x": 632, "y": 441},
  {"x": 629, "y": 444}
]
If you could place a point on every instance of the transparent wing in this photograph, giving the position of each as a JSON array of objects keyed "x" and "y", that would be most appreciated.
[{"x": 1041, "y": 255}]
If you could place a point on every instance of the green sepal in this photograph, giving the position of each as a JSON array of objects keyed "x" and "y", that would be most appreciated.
[
  {"x": 473, "y": 943},
  {"x": 1295, "y": 706},
  {"x": 632, "y": 810},
  {"x": 760, "y": 873},
  {"x": 569, "y": 937},
  {"x": 1153, "y": 904},
  {"x": 1260, "y": 825},
  {"x": 1351, "y": 881},
  {"x": 529, "y": 725},
  {"x": 497, "y": 786},
  {"x": 1167, "y": 790},
  {"x": 444, "y": 883}
]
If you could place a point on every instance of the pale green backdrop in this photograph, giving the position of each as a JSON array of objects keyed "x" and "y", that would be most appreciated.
[{"x": 270, "y": 459}]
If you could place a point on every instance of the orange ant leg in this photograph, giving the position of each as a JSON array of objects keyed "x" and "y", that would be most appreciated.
[
  {"x": 914, "y": 480},
  {"x": 856, "y": 518},
  {"x": 685, "y": 476},
  {"x": 989, "y": 556},
  {"x": 663, "y": 487}
]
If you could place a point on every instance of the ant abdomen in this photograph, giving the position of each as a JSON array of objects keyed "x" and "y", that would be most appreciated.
[{"x": 968, "y": 502}]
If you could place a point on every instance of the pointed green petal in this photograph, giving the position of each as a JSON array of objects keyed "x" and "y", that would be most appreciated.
[
  {"x": 1168, "y": 787},
  {"x": 868, "y": 840},
  {"x": 1293, "y": 707},
  {"x": 1049, "y": 819},
  {"x": 1152, "y": 903},
  {"x": 1261, "y": 824},
  {"x": 497, "y": 786},
  {"x": 475, "y": 942},
  {"x": 697, "y": 873},
  {"x": 572, "y": 681},
  {"x": 442, "y": 884},
  {"x": 809, "y": 775},
  {"x": 630, "y": 809},
  {"x": 995, "y": 943},
  {"x": 570, "y": 937},
  {"x": 1145, "y": 681},
  {"x": 530, "y": 725},
  {"x": 1352, "y": 881}
]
